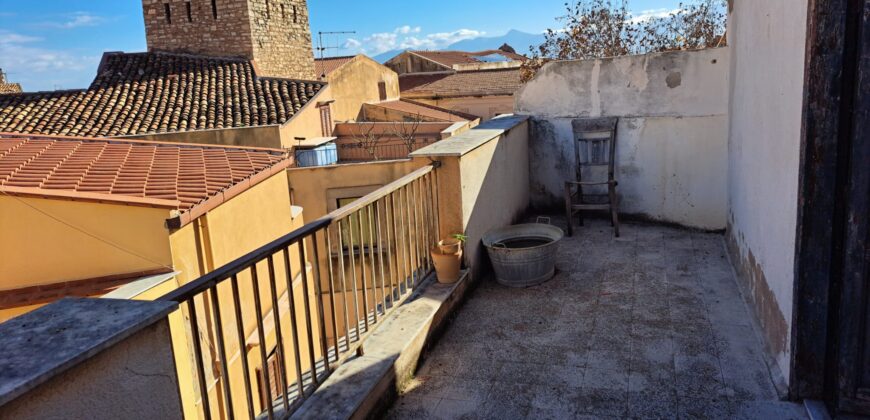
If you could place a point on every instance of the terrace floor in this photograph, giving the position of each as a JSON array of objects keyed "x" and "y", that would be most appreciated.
[{"x": 649, "y": 325}]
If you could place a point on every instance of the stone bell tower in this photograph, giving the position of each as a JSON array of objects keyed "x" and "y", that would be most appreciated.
[{"x": 274, "y": 34}]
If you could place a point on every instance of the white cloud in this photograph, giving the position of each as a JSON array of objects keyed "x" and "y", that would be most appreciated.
[
  {"x": 407, "y": 29},
  {"x": 408, "y": 37},
  {"x": 645, "y": 15},
  {"x": 76, "y": 20},
  {"x": 34, "y": 66}
]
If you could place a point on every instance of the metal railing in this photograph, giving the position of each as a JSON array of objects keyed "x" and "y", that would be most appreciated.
[
  {"x": 366, "y": 259},
  {"x": 354, "y": 153}
]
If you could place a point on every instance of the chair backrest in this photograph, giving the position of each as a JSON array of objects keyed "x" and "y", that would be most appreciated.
[{"x": 595, "y": 143}]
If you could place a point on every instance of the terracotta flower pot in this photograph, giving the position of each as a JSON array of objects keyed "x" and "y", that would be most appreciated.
[
  {"x": 450, "y": 245},
  {"x": 447, "y": 266}
]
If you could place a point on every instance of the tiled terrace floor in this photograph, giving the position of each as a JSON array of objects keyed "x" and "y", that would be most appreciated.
[{"x": 649, "y": 325}]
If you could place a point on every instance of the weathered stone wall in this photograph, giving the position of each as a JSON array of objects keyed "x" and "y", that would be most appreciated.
[
  {"x": 282, "y": 38},
  {"x": 273, "y": 33}
]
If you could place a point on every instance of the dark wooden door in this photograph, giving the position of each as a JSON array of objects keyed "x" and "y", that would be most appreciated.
[{"x": 853, "y": 372}]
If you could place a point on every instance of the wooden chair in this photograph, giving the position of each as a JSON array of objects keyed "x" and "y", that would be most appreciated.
[{"x": 594, "y": 149}]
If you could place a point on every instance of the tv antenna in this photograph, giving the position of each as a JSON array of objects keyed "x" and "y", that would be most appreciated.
[{"x": 322, "y": 48}]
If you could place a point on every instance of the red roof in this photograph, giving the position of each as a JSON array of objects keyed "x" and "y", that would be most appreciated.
[
  {"x": 191, "y": 178},
  {"x": 451, "y": 58},
  {"x": 324, "y": 66},
  {"x": 465, "y": 83}
]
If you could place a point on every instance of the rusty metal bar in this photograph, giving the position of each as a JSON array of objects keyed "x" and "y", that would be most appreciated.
[
  {"x": 291, "y": 304},
  {"x": 281, "y": 376},
  {"x": 307, "y": 306},
  {"x": 362, "y": 268},
  {"x": 243, "y": 347},
  {"x": 197, "y": 352},
  {"x": 351, "y": 251},
  {"x": 225, "y": 372},
  {"x": 262, "y": 336},
  {"x": 343, "y": 290},
  {"x": 332, "y": 292},
  {"x": 321, "y": 318}
]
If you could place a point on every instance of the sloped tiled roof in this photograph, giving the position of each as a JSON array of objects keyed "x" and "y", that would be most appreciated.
[
  {"x": 10, "y": 88},
  {"x": 412, "y": 107},
  {"x": 324, "y": 66},
  {"x": 173, "y": 175},
  {"x": 143, "y": 93},
  {"x": 467, "y": 83},
  {"x": 451, "y": 58}
]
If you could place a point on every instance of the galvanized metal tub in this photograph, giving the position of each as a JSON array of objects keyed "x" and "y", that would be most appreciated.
[{"x": 523, "y": 255}]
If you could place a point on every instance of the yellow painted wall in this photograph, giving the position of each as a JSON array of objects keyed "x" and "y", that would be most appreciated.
[
  {"x": 356, "y": 83},
  {"x": 246, "y": 222},
  {"x": 306, "y": 123},
  {"x": 264, "y": 136},
  {"x": 315, "y": 189},
  {"x": 485, "y": 107},
  {"x": 45, "y": 241}
]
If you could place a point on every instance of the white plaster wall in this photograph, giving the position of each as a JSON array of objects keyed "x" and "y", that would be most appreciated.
[
  {"x": 672, "y": 134},
  {"x": 767, "y": 73}
]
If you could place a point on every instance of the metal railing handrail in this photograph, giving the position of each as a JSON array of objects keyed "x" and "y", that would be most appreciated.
[
  {"x": 377, "y": 194},
  {"x": 401, "y": 216}
]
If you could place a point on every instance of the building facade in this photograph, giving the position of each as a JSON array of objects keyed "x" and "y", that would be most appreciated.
[{"x": 273, "y": 34}]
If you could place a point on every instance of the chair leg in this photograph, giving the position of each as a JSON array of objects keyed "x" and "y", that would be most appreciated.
[
  {"x": 614, "y": 216},
  {"x": 568, "y": 210}
]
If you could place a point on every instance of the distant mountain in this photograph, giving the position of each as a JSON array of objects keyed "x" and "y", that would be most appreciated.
[
  {"x": 521, "y": 41},
  {"x": 386, "y": 56}
]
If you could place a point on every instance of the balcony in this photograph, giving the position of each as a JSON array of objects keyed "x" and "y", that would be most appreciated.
[
  {"x": 337, "y": 318},
  {"x": 648, "y": 325}
]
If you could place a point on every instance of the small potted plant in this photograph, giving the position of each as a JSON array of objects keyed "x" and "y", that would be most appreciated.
[{"x": 447, "y": 257}]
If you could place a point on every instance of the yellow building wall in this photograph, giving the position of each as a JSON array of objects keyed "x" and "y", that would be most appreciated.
[
  {"x": 45, "y": 241},
  {"x": 485, "y": 107},
  {"x": 306, "y": 123},
  {"x": 237, "y": 227},
  {"x": 356, "y": 83},
  {"x": 263, "y": 136}
]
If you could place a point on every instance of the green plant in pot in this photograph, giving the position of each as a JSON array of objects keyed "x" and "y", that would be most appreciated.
[{"x": 447, "y": 257}]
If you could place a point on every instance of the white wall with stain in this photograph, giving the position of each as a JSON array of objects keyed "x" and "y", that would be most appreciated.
[
  {"x": 672, "y": 143},
  {"x": 767, "y": 78}
]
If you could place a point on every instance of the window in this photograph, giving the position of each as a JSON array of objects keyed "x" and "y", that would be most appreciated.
[
  {"x": 214, "y": 9},
  {"x": 382, "y": 90},
  {"x": 189, "y": 13},
  {"x": 354, "y": 224},
  {"x": 283, "y": 15},
  {"x": 295, "y": 15},
  {"x": 326, "y": 120},
  {"x": 273, "y": 370},
  {"x": 167, "y": 12},
  {"x": 268, "y": 10}
]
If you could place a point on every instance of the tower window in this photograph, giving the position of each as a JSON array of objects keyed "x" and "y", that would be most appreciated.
[
  {"x": 295, "y": 14},
  {"x": 214, "y": 9},
  {"x": 189, "y": 12},
  {"x": 283, "y": 15},
  {"x": 268, "y": 10},
  {"x": 167, "y": 12}
]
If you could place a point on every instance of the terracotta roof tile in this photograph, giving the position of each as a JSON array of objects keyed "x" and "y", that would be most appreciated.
[
  {"x": 143, "y": 93},
  {"x": 177, "y": 175},
  {"x": 324, "y": 66},
  {"x": 466, "y": 83}
]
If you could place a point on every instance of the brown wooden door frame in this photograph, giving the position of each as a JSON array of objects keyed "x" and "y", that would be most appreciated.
[{"x": 831, "y": 250}]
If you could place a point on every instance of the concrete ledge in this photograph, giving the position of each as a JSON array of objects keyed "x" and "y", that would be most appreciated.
[
  {"x": 366, "y": 385},
  {"x": 464, "y": 143},
  {"x": 51, "y": 340}
]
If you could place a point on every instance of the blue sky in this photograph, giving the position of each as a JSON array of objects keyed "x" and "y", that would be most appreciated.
[{"x": 54, "y": 44}]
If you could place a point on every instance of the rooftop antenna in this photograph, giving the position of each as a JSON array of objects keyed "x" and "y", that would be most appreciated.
[{"x": 322, "y": 48}]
